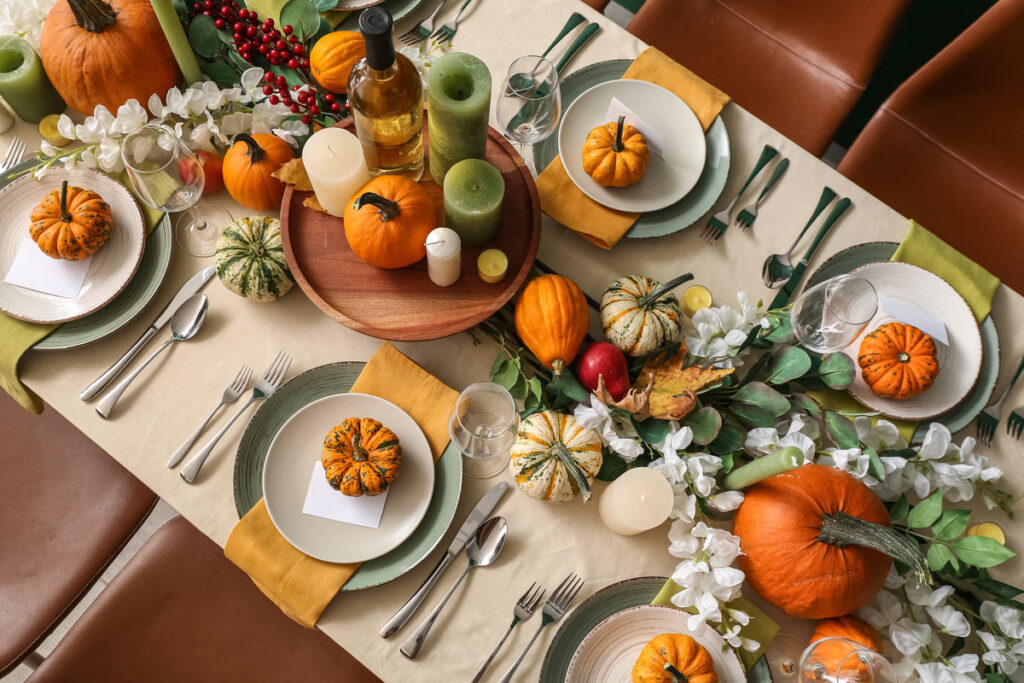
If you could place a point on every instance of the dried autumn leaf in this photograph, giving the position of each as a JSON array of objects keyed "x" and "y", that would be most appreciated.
[
  {"x": 675, "y": 387},
  {"x": 294, "y": 173},
  {"x": 636, "y": 401},
  {"x": 311, "y": 203}
]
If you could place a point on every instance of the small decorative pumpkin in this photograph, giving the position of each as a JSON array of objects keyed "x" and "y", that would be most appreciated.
[
  {"x": 389, "y": 221},
  {"x": 640, "y": 314},
  {"x": 898, "y": 361},
  {"x": 552, "y": 319},
  {"x": 250, "y": 259},
  {"x": 248, "y": 167},
  {"x": 361, "y": 457},
  {"x": 106, "y": 52},
  {"x": 615, "y": 154},
  {"x": 71, "y": 224},
  {"x": 674, "y": 658},
  {"x": 555, "y": 458},
  {"x": 816, "y": 542},
  {"x": 843, "y": 637},
  {"x": 333, "y": 56}
]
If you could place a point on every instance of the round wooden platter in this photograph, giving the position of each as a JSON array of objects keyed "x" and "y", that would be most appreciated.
[{"x": 403, "y": 304}]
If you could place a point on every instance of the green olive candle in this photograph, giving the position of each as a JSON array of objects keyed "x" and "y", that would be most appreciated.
[
  {"x": 473, "y": 194},
  {"x": 23, "y": 83},
  {"x": 458, "y": 108}
]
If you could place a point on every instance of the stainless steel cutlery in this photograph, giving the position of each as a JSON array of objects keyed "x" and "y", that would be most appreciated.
[
  {"x": 231, "y": 394},
  {"x": 749, "y": 213},
  {"x": 778, "y": 267},
  {"x": 719, "y": 222},
  {"x": 523, "y": 610},
  {"x": 554, "y": 609},
  {"x": 15, "y": 153},
  {"x": 989, "y": 418}
]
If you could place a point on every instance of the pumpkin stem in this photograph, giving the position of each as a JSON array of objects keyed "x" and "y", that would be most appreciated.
[
  {"x": 256, "y": 153},
  {"x": 65, "y": 215},
  {"x": 840, "y": 529},
  {"x": 677, "y": 675},
  {"x": 650, "y": 299},
  {"x": 903, "y": 357},
  {"x": 94, "y": 16},
  {"x": 358, "y": 452},
  {"x": 386, "y": 208},
  {"x": 620, "y": 125},
  {"x": 562, "y": 453}
]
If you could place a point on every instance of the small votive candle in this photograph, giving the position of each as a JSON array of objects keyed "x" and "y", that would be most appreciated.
[
  {"x": 473, "y": 194},
  {"x": 334, "y": 163},
  {"x": 492, "y": 265},
  {"x": 444, "y": 256},
  {"x": 638, "y": 500},
  {"x": 695, "y": 298}
]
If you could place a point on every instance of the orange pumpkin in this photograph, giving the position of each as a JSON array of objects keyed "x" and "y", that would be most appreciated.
[
  {"x": 389, "y": 221},
  {"x": 816, "y": 542},
  {"x": 674, "y": 658},
  {"x": 843, "y": 637},
  {"x": 898, "y": 361},
  {"x": 361, "y": 457},
  {"x": 106, "y": 52},
  {"x": 248, "y": 167},
  {"x": 552, "y": 319},
  {"x": 333, "y": 56},
  {"x": 71, "y": 224}
]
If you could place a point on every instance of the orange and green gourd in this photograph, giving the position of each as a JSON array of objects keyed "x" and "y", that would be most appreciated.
[
  {"x": 361, "y": 457},
  {"x": 71, "y": 223}
]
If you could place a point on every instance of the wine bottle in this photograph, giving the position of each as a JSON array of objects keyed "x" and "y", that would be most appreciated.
[{"x": 386, "y": 96}]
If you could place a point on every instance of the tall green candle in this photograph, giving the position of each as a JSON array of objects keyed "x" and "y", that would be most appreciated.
[
  {"x": 473, "y": 193},
  {"x": 23, "y": 83},
  {"x": 176, "y": 38},
  {"x": 458, "y": 108}
]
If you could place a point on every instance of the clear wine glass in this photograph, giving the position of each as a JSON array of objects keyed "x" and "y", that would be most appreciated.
[
  {"x": 830, "y": 315},
  {"x": 839, "y": 660},
  {"x": 530, "y": 101},
  {"x": 168, "y": 177},
  {"x": 483, "y": 427}
]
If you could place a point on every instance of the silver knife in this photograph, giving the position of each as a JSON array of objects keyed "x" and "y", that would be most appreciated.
[
  {"x": 481, "y": 512},
  {"x": 191, "y": 287}
]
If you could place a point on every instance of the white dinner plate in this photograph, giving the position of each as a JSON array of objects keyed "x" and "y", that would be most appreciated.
[
  {"x": 612, "y": 648},
  {"x": 959, "y": 363},
  {"x": 299, "y": 444},
  {"x": 112, "y": 266},
  {"x": 668, "y": 177}
]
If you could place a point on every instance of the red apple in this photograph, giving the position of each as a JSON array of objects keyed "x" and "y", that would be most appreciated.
[
  {"x": 212, "y": 169},
  {"x": 604, "y": 359}
]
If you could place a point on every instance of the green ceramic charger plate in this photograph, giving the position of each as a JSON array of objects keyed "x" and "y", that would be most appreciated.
[
  {"x": 399, "y": 10},
  {"x": 687, "y": 210},
  {"x": 968, "y": 409},
  {"x": 595, "y": 609},
  {"x": 295, "y": 394}
]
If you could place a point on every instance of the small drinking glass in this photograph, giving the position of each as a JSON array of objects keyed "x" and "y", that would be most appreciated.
[
  {"x": 530, "y": 101},
  {"x": 483, "y": 427},
  {"x": 839, "y": 660},
  {"x": 830, "y": 315},
  {"x": 168, "y": 177}
]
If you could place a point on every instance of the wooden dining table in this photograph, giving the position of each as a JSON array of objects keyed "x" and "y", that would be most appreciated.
[{"x": 546, "y": 541}]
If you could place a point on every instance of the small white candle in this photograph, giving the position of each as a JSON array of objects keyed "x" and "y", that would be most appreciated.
[
  {"x": 639, "y": 500},
  {"x": 334, "y": 163},
  {"x": 444, "y": 256}
]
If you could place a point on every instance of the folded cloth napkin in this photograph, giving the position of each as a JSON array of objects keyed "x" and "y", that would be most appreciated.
[
  {"x": 566, "y": 203},
  {"x": 760, "y": 629},
  {"x": 19, "y": 336},
  {"x": 303, "y": 586}
]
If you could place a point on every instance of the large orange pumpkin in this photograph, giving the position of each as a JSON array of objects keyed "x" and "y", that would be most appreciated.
[
  {"x": 552, "y": 319},
  {"x": 389, "y": 221},
  {"x": 816, "y": 542},
  {"x": 333, "y": 56},
  {"x": 71, "y": 224},
  {"x": 898, "y": 361},
  {"x": 106, "y": 52},
  {"x": 248, "y": 169}
]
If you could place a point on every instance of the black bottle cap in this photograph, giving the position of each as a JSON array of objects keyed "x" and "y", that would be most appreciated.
[{"x": 375, "y": 23}]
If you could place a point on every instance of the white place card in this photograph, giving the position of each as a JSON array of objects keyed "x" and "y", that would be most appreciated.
[
  {"x": 32, "y": 269},
  {"x": 323, "y": 501},
  {"x": 911, "y": 315},
  {"x": 655, "y": 140}
]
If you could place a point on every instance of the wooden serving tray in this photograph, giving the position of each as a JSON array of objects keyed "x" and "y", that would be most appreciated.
[{"x": 403, "y": 304}]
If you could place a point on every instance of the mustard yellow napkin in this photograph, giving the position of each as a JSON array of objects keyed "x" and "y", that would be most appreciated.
[
  {"x": 761, "y": 627},
  {"x": 566, "y": 203},
  {"x": 303, "y": 586}
]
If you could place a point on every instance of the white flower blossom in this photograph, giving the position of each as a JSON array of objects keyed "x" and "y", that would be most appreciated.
[
  {"x": 799, "y": 432},
  {"x": 1009, "y": 620},
  {"x": 617, "y": 434},
  {"x": 960, "y": 669},
  {"x": 24, "y": 18},
  {"x": 706, "y": 576},
  {"x": 716, "y": 333}
]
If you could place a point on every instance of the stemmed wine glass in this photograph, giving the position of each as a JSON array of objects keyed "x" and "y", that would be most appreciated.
[
  {"x": 483, "y": 427},
  {"x": 530, "y": 102},
  {"x": 834, "y": 660},
  {"x": 168, "y": 177},
  {"x": 829, "y": 316}
]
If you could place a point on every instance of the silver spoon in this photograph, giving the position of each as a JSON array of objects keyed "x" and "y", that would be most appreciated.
[
  {"x": 482, "y": 549},
  {"x": 778, "y": 267},
  {"x": 185, "y": 322}
]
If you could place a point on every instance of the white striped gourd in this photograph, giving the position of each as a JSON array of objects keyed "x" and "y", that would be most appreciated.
[
  {"x": 250, "y": 259},
  {"x": 639, "y": 314},
  {"x": 555, "y": 458}
]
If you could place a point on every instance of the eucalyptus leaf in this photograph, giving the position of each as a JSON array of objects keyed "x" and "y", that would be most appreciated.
[
  {"x": 753, "y": 416},
  {"x": 926, "y": 512},
  {"x": 952, "y": 524},
  {"x": 705, "y": 423},
  {"x": 900, "y": 509},
  {"x": 612, "y": 466},
  {"x": 837, "y": 371},
  {"x": 939, "y": 556},
  {"x": 781, "y": 330},
  {"x": 762, "y": 396},
  {"x": 650, "y": 430},
  {"x": 807, "y": 404},
  {"x": 202, "y": 36},
  {"x": 841, "y": 430},
  {"x": 237, "y": 60},
  {"x": 302, "y": 16},
  {"x": 222, "y": 74},
  {"x": 730, "y": 438},
  {"x": 981, "y": 551},
  {"x": 788, "y": 363},
  {"x": 875, "y": 467},
  {"x": 290, "y": 75}
]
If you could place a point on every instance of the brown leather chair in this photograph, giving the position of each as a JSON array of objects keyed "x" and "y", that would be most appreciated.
[
  {"x": 947, "y": 148},
  {"x": 180, "y": 611},
  {"x": 66, "y": 510},
  {"x": 799, "y": 65}
]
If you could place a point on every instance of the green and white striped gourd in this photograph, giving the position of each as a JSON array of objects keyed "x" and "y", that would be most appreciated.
[
  {"x": 250, "y": 259},
  {"x": 555, "y": 458},
  {"x": 639, "y": 314}
]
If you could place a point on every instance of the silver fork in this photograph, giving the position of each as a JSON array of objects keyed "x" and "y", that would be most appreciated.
[
  {"x": 748, "y": 215},
  {"x": 989, "y": 418},
  {"x": 266, "y": 385},
  {"x": 14, "y": 155},
  {"x": 448, "y": 29},
  {"x": 422, "y": 30},
  {"x": 554, "y": 609},
  {"x": 231, "y": 394},
  {"x": 524, "y": 608}
]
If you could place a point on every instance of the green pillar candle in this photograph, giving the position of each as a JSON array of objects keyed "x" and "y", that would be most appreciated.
[
  {"x": 458, "y": 108},
  {"x": 473, "y": 192},
  {"x": 24, "y": 84},
  {"x": 779, "y": 462},
  {"x": 176, "y": 38}
]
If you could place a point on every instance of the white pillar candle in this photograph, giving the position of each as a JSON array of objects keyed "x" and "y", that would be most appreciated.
[
  {"x": 638, "y": 500},
  {"x": 444, "y": 256},
  {"x": 334, "y": 163}
]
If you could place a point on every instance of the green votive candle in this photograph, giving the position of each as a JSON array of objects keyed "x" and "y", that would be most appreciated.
[
  {"x": 458, "y": 107},
  {"x": 473, "y": 192},
  {"x": 24, "y": 84}
]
